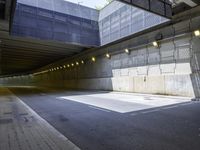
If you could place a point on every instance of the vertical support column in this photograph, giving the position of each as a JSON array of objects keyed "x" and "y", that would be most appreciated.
[
  {"x": 195, "y": 65},
  {"x": 0, "y": 57}
]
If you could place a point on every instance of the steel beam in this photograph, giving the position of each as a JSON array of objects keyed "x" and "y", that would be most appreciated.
[{"x": 159, "y": 7}]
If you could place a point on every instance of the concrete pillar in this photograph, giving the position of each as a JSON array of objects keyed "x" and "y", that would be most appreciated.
[
  {"x": 0, "y": 58},
  {"x": 195, "y": 65}
]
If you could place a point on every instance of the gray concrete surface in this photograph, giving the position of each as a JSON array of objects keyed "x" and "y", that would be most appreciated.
[
  {"x": 171, "y": 69},
  {"x": 23, "y": 129},
  {"x": 174, "y": 127}
]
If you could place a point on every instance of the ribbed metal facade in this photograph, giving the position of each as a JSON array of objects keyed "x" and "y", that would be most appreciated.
[
  {"x": 50, "y": 21},
  {"x": 72, "y": 23},
  {"x": 124, "y": 20}
]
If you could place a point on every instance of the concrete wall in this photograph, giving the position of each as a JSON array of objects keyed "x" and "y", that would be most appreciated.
[
  {"x": 164, "y": 70},
  {"x": 195, "y": 63},
  {"x": 171, "y": 69}
]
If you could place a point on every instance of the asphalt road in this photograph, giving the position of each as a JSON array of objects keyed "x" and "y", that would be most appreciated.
[{"x": 91, "y": 128}]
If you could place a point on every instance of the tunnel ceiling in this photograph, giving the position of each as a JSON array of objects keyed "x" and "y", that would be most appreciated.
[
  {"x": 22, "y": 55},
  {"x": 19, "y": 55}
]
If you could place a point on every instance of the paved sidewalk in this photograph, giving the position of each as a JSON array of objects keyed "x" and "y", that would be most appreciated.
[{"x": 22, "y": 129}]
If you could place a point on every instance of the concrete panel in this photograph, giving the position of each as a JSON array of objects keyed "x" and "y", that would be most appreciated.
[
  {"x": 123, "y": 84},
  {"x": 155, "y": 84},
  {"x": 179, "y": 85},
  {"x": 154, "y": 70}
]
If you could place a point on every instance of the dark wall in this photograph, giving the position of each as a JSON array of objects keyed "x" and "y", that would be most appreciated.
[
  {"x": 2, "y": 10},
  {"x": 50, "y": 25}
]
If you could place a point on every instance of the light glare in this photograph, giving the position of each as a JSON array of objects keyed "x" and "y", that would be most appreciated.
[
  {"x": 155, "y": 44},
  {"x": 108, "y": 56},
  {"x": 197, "y": 33},
  {"x": 93, "y": 59},
  {"x": 127, "y": 50}
]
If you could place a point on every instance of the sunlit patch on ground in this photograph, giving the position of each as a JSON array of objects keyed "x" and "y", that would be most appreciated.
[{"x": 124, "y": 102}]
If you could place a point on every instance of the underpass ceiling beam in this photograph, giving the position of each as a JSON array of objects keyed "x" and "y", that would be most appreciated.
[{"x": 160, "y": 7}]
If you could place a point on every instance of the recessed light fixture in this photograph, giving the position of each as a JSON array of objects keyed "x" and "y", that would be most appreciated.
[
  {"x": 82, "y": 62},
  {"x": 108, "y": 56},
  {"x": 197, "y": 33},
  {"x": 57, "y": 68},
  {"x": 68, "y": 65},
  {"x": 93, "y": 59},
  {"x": 77, "y": 63},
  {"x": 72, "y": 64},
  {"x": 64, "y": 66},
  {"x": 155, "y": 44},
  {"x": 127, "y": 51}
]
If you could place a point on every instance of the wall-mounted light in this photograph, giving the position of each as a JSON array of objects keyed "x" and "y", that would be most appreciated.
[
  {"x": 155, "y": 44},
  {"x": 77, "y": 63},
  {"x": 127, "y": 51},
  {"x": 82, "y": 62},
  {"x": 197, "y": 33},
  {"x": 108, "y": 55},
  {"x": 93, "y": 59}
]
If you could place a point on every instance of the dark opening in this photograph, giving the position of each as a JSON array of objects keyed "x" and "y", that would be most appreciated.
[{"x": 2, "y": 10}]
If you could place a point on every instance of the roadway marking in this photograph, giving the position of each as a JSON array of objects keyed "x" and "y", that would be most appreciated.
[
  {"x": 99, "y": 108},
  {"x": 150, "y": 111},
  {"x": 186, "y": 104},
  {"x": 145, "y": 112},
  {"x": 170, "y": 107}
]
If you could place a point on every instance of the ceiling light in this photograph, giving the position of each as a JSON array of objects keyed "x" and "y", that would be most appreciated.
[
  {"x": 127, "y": 51},
  {"x": 64, "y": 66},
  {"x": 82, "y": 62},
  {"x": 197, "y": 33},
  {"x": 57, "y": 68},
  {"x": 77, "y": 63},
  {"x": 108, "y": 56},
  {"x": 68, "y": 65},
  {"x": 72, "y": 64},
  {"x": 93, "y": 59},
  {"x": 155, "y": 44}
]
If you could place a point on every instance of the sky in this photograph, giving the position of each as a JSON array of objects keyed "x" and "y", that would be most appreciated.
[{"x": 89, "y": 3}]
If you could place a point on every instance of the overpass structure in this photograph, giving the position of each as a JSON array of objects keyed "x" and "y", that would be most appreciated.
[
  {"x": 149, "y": 46},
  {"x": 126, "y": 77}
]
